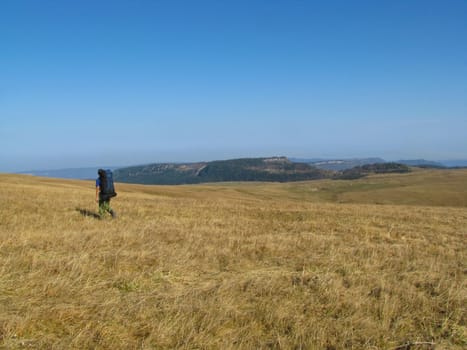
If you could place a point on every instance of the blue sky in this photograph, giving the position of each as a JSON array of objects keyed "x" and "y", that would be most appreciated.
[{"x": 89, "y": 83}]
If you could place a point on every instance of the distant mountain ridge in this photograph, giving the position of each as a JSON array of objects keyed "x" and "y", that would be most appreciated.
[
  {"x": 247, "y": 169},
  {"x": 456, "y": 163},
  {"x": 339, "y": 164},
  {"x": 422, "y": 163},
  {"x": 69, "y": 173},
  {"x": 376, "y": 168},
  {"x": 279, "y": 169}
]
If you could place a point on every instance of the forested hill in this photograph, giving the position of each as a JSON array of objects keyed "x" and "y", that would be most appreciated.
[
  {"x": 279, "y": 169},
  {"x": 367, "y": 169}
]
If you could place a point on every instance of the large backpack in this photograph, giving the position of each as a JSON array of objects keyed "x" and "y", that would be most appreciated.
[{"x": 107, "y": 189}]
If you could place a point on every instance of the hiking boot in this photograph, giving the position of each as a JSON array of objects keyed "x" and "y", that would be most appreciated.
[{"x": 114, "y": 214}]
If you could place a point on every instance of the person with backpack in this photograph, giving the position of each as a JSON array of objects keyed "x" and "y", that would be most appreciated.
[{"x": 104, "y": 192}]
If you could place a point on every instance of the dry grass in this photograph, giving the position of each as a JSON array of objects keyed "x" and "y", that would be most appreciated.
[{"x": 232, "y": 266}]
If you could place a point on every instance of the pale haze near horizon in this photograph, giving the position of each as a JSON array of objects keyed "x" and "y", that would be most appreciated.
[{"x": 122, "y": 82}]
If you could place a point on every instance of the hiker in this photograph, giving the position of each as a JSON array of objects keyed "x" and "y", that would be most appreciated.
[{"x": 104, "y": 191}]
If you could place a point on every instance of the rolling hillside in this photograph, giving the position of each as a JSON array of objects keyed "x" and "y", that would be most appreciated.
[{"x": 373, "y": 263}]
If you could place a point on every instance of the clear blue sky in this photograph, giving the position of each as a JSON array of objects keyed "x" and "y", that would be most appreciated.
[{"x": 86, "y": 83}]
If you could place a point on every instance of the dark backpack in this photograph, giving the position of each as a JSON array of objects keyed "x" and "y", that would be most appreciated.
[{"x": 107, "y": 189}]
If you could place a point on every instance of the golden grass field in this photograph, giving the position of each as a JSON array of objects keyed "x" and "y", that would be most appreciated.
[{"x": 375, "y": 263}]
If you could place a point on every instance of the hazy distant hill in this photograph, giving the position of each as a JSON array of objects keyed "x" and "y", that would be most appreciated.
[
  {"x": 71, "y": 173},
  {"x": 377, "y": 168},
  {"x": 173, "y": 173},
  {"x": 454, "y": 163},
  {"x": 339, "y": 164},
  {"x": 421, "y": 163},
  {"x": 279, "y": 169}
]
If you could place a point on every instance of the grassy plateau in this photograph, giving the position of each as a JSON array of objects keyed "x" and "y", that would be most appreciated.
[{"x": 374, "y": 263}]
